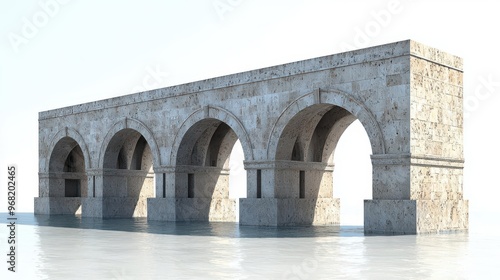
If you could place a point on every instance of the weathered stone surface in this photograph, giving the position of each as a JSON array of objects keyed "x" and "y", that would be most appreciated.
[
  {"x": 58, "y": 205},
  {"x": 161, "y": 209},
  {"x": 164, "y": 153},
  {"x": 259, "y": 211},
  {"x": 290, "y": 211},
  {"x": 93, "y": 207},
  {"x": 390, "y": 216},
  {"x": 415, "y": 216},
  {"x": 205, "y": 209},
  {"x": 442, "y": 215}
]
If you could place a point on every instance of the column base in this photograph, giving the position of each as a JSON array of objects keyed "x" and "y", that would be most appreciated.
[
  {"x": 92, "y": 207},
  {"x": 58, "y": 205},
  {"x": 205, "y": 209},
  {"x": 114, "y": 207},
  {"x": 161, "y": 209},
  {"x": 289, "y": 211},
  {"x": 415, "y": 216}
]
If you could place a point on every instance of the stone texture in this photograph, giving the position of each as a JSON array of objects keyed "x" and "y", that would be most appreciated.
[
  {"x": 390, "y": 216},
  {"x": 290, "y": 211},
  {"x": 93, "y": 207},
  {"x": 164, "y": 153},
  {"x": 206, "y": 209},
  {"x": 259, "y": 211},
  {"x": 161, "y": 209},
  {"x": 415, "y": 216},
  {"x": 58, "y": 205}
]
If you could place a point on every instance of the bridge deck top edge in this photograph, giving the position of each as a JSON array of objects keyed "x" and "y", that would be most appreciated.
[{"x": 381, "y": 52}]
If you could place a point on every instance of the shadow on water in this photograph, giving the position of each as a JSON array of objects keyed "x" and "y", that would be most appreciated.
[{"x": 218, "y": 229}]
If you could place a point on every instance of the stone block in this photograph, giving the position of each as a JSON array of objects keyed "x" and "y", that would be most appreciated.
[
  {"x": 259, "y": 211},
  {"x": 442, "y": 215},
  {"x": 124, "y": 207},
  {"x": 161, "y": 209},
  {"x": 289, "y": 211},
  {"x": 390, "y": 216},
  {"x": 58, "y": 205},
  {"x": 415, "y": 216},
  {"x": 92, "y": 207},
  {"x": 42, "y": 206},
  {"x": 205, "y": 209},
  {"x": 308, "y": 211}
]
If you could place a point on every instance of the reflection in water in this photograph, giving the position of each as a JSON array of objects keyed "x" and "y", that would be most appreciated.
[
  {"x": 230, "y": 230},
  {"x": 63, "y": 247}
]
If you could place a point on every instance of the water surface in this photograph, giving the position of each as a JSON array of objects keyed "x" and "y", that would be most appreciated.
[{"x": 65, "y": 247}]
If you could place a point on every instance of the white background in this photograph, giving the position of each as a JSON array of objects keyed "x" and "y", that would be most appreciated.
[{"x": 56, "y": 54}]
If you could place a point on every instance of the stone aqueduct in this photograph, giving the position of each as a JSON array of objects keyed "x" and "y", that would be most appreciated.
[{"x": 164, "y": 153}]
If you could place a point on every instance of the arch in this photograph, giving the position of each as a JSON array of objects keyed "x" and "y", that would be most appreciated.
[
  {"x": 129, "y": 123},
  {"x": 332, "y": 139},
  {"x": 67, "y": 172},
  {"x": 220, "y": 114},
  {"x": 128, "y": 156},
  {"x": 75, "y": 136},
  {"x": 327, "y": 97},
  {"x": 220, "y": 146}
]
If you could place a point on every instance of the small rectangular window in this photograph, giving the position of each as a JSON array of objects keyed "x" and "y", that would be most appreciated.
[
  {"x": 164, "y": 185},
  {"x": 302, "y": 184},
  {"x": 259, "y": 183},
  {"x": 190, "y": 185},
  {"x": 72, "y": 188}
]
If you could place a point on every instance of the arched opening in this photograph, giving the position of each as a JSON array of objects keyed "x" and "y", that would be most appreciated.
[
  {"x": 67, "y": 177},
  {"x": 305, "y": 164},
  {"x": 353, "y": 173},
  {"x": 203, "y": 173},
  {"x": 237, "y": 176},
  {"x": 128, "y": 178}
]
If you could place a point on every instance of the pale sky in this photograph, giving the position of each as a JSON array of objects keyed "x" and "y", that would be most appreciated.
[{"x": 60, "y": 53}]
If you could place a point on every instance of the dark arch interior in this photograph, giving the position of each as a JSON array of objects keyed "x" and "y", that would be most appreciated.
[
  {"x": 305, "y": 153},
  {"x": 128, "y": 174},
  {"x": 129, "y": 150},
  {"x": 202, "y": 174},
  {"x": 207, "y": 143},
  {"x": 67, "y": 177},
  {"x": 74, "y": 161},
  {"x": 313, "y": 134},
  {"x": 61, "y": 153}
]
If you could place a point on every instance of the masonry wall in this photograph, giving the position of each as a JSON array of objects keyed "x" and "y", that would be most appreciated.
[
  {"x": 256, "y": 98},
  {"x": 437, "y": 125},
  {"x": 406, "y": 95}
]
